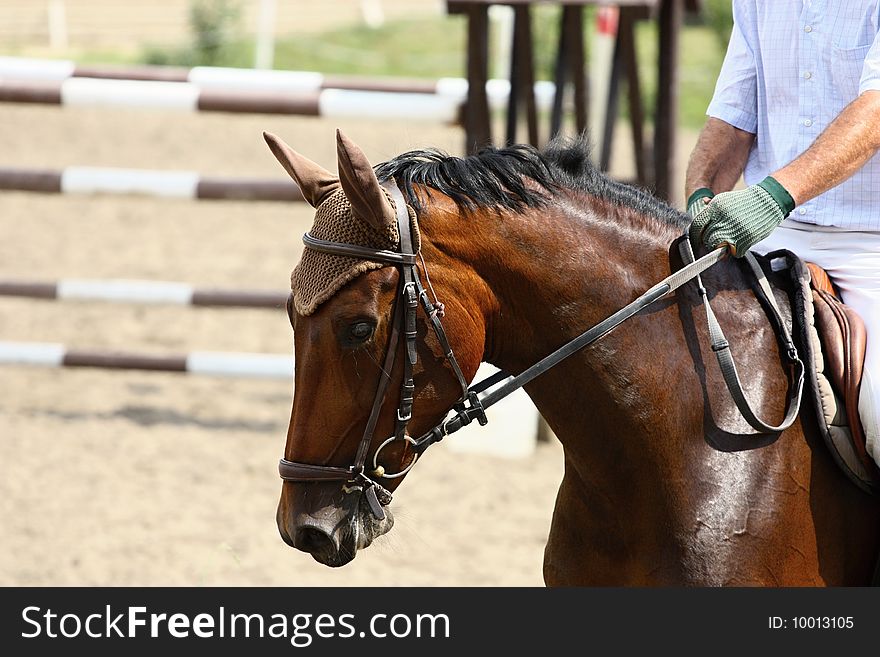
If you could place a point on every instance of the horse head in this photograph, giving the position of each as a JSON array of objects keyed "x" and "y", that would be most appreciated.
[{"x": 360, "y": 369}]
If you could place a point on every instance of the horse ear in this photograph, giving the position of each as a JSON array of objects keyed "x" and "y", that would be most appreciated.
[
  {"x": 361, "y": 185},
  {"x": 315, "y": 182}
]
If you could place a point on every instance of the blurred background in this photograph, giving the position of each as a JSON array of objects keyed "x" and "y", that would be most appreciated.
[
  {"x": 410, "y": 38},
  {"x": 124, "y": 477}
]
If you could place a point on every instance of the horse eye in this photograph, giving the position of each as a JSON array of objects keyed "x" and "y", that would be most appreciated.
[{"x": 360, "y": 331}]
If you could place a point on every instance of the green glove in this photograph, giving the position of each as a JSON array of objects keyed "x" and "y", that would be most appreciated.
[
  {"x": 742, "y": 218},
  {"x": 696, "y": 201}
]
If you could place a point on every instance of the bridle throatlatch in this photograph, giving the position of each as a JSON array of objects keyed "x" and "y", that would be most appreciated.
[{"x": 472, "y": 403}]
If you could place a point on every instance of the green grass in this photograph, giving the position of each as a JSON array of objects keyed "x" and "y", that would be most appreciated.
[
  {"x": 425, "y": 49},
  {"x": 432, "y": 48},
  {"x": 700, "y": 61}
]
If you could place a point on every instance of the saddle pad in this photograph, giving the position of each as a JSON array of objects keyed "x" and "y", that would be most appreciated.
[{"x": 823, "y": 381}]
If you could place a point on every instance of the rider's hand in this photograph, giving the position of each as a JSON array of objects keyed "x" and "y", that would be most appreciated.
[
  {"x": 742, "y": 218},
  {"x": 698, "y": 200}
]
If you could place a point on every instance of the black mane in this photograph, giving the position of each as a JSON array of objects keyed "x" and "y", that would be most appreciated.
[{"x": 494, "y": 178}]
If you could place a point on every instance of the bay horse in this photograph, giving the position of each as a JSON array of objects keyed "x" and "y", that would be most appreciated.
[{"x": 664, "y": 483}]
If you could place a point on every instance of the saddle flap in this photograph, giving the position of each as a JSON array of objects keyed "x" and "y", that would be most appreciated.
[
  {"x": 844, "y": 340},
  {"x": 820, "y": 280},
  {"x": 833, "y": 339}
]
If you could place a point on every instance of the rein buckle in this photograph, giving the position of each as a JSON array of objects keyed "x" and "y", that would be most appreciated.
[{"x": 471, "y": 409}]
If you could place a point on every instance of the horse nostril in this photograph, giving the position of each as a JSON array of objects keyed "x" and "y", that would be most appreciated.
[{"x": 311, "y": 539}]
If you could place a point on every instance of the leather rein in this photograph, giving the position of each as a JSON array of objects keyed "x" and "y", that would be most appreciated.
[{"x": 472, "y": 404}]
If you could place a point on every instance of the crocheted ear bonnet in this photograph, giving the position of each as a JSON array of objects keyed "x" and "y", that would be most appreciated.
[{"x": 319, "y": 275}]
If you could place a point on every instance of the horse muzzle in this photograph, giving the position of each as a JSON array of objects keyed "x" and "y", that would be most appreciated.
[{"x": 332, "y": 533}]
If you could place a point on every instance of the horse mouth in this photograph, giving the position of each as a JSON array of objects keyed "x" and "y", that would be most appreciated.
[{"x": 337, "y": 544}]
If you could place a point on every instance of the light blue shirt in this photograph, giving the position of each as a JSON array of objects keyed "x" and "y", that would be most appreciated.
[{"x": 790, "y": 69}]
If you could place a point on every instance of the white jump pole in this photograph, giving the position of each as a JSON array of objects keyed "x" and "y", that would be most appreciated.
[
  {"x": 265, "y": 55},
  {"x": 372, "y": 13},
  {"x": 57, "y": 23}
]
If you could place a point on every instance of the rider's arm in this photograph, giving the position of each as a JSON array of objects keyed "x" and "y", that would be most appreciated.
[
  {"x": 841, "y": 150},
  {"x": 718, "y": 159},
  {"x": 720, "y": 155}
]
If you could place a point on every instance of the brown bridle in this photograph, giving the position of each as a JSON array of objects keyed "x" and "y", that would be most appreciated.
[{"x": 410, "y": 295}]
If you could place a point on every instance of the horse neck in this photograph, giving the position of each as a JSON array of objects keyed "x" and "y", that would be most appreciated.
[
  {"x": 661, "y": 474},
  {"x": 549, "y": 274}
]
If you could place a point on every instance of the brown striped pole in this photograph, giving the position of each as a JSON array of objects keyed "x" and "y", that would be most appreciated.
[
  {"x": 176, "y": 184},
  {"x": 229, "y": 364},
  {"x": 187, "y": 96},
  {"x": 351, "y": 96},
  {"x": 136, "y": 291},
  {"x": 208, "y": 77}
]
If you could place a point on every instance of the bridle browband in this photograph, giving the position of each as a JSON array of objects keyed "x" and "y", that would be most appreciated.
[{"x": 472, "y": 404}]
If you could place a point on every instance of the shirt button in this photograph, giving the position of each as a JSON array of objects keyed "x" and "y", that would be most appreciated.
[
  {"x": 807, "y": 75},
  {"x": 802, "y": 211},
  {"x": 808, "y": 29},
  {"x": 807, "y": 122}
]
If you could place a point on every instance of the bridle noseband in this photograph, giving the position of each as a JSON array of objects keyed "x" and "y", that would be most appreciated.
[{"x": 410, "y": 295}]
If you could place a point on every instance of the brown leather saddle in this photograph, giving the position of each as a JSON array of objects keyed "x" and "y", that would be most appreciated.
[{"x": 834, "y": 339}]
